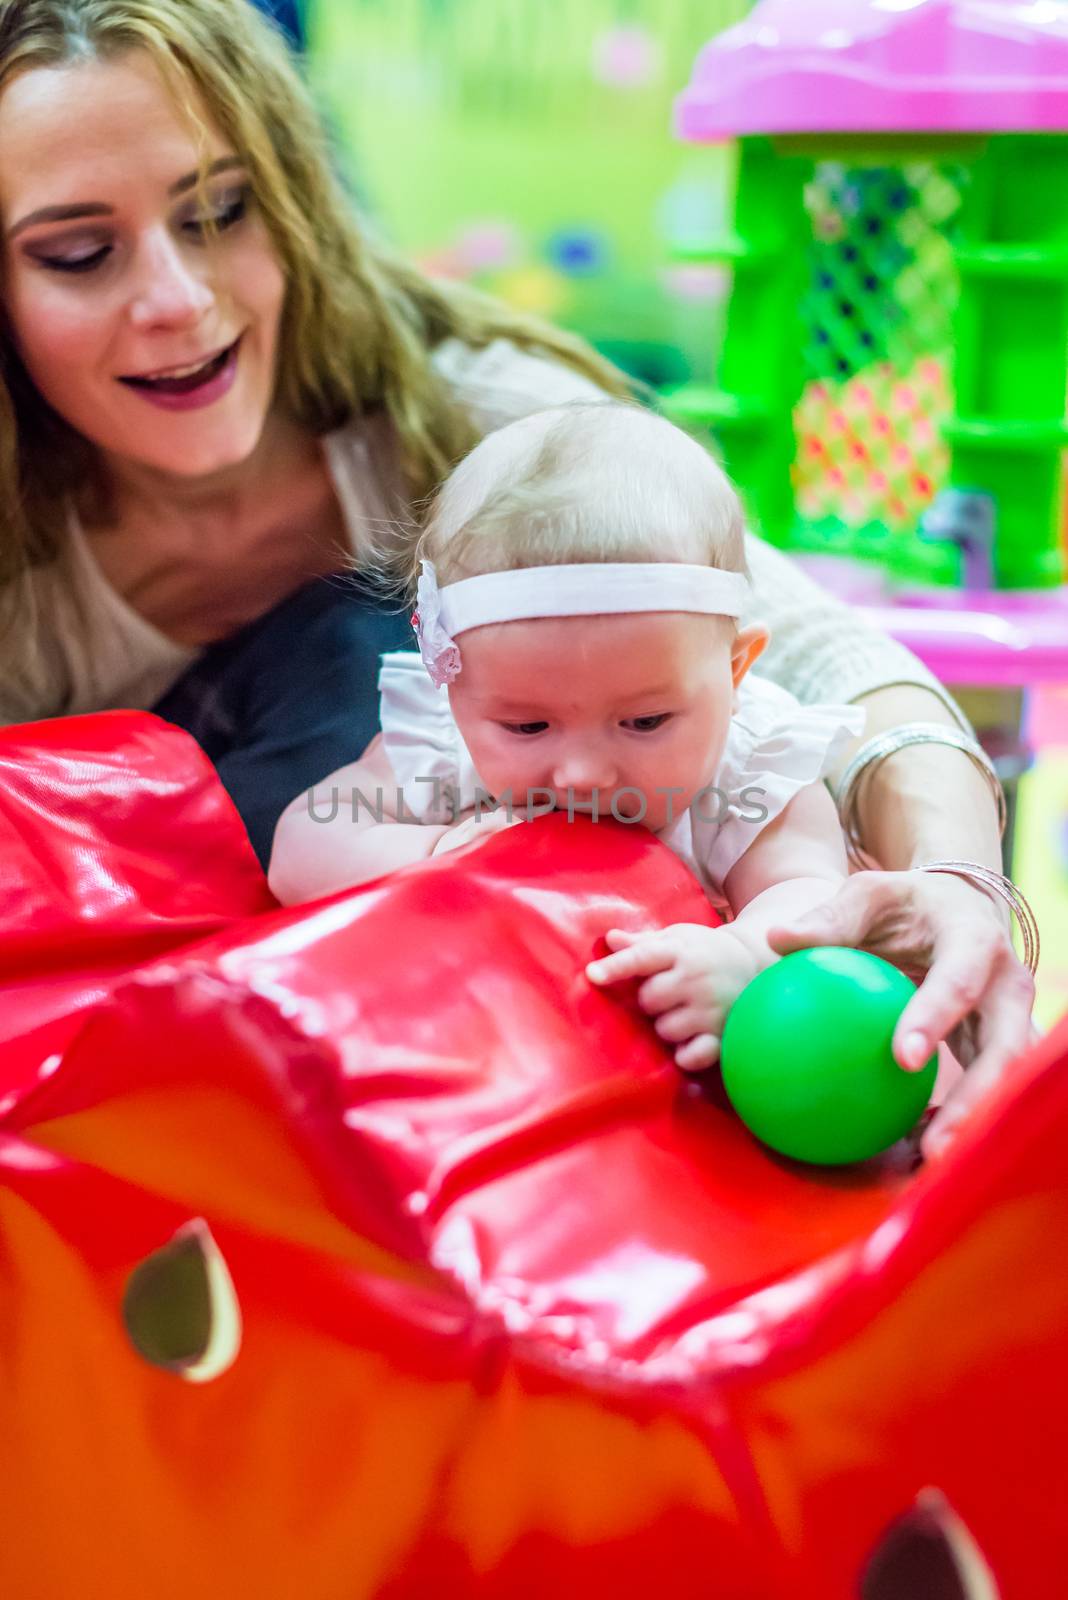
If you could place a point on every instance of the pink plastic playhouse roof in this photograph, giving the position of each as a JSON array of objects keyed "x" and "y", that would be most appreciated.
[{"x": 861, "y": 66}]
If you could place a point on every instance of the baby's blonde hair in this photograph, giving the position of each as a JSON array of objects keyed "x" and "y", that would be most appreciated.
[{"x": 590, "y": 481}]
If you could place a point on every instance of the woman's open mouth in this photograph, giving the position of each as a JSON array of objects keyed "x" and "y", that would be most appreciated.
[{"x": 182, "y": 388}]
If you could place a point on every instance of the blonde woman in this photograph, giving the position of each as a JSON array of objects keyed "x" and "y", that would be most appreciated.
[{"x": 216, "y": 391}]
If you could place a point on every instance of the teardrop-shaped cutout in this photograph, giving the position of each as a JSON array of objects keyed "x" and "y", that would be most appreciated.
[
  {"x": 180, "y": 1307},
  {"x": 928, "y": 1554}
]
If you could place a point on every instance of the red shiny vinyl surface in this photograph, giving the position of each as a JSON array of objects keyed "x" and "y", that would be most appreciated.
[
  {"x": 116, "y": 841},
  {"x": 521, "y": 1312}
]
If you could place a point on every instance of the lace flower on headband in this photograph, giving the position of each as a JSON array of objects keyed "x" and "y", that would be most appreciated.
[{"x": 439, "y": 650}]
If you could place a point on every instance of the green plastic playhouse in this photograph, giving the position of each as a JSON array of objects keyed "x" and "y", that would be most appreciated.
[{"x": 893, "y": 379}]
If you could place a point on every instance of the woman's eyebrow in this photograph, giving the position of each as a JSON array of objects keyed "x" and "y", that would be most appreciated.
[
  {"x": 224, "y": 164},
  {"x": 97, "y": 208},
  {"x": 88, "y": 208}
]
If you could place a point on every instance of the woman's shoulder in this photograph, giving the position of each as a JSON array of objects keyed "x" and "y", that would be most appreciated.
[
  {"x": 75, "y": 646},
  {"x": 500, "y": 382}
]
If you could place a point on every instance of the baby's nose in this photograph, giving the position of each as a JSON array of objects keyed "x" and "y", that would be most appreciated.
[{"x": 583, "y": 770}]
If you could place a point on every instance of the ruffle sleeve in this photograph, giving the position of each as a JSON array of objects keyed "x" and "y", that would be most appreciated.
[
  {"x": 431, "y": 763},
  {"x": 775, "y": 748}
]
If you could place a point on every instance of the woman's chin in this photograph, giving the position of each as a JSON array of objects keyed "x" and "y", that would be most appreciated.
[{"x": 214, "y": 456}]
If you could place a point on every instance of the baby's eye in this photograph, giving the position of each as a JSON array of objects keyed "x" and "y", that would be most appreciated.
[
  {"x": 525, "y": 729},
  {"x": 647, "y": 724}
]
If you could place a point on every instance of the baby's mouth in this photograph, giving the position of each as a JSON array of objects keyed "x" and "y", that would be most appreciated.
[{"x": 186, "y": 381}]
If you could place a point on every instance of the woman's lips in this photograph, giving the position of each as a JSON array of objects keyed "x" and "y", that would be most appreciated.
[{"x": 197, "y": 389}]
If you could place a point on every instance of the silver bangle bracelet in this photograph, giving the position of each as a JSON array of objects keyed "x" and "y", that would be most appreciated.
[
  {"x": 876, "y": 750},
  {"x": 1005, "y": 889}
]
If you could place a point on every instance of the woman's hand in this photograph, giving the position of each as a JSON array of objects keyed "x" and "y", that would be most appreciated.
[
  {"x": 693, "y": 975},
  {"x": 473, "y": 825},
  {"x": 977, "y": 995}
]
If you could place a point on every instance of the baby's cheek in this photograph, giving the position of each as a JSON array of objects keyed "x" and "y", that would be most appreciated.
[
  {"x": 495, "y": 774},
  {"x": 660, "y": 812}
]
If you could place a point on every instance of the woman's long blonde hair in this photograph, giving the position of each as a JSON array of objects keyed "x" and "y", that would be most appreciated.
[{"x": 359, "y": 324}]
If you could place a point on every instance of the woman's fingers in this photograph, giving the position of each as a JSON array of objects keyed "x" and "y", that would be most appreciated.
[
  {"x": 976, "y": 988},
  {"x": 959, "y": 977},
  {"x": 976, "y": 1084},
  {"x": 1006, "y": 1029},
  {"x": 845, "y": 919},
  {"x": 1005, "y": 1032}
]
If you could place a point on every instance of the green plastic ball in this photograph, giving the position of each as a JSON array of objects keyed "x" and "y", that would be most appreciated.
[{"x": 807, "y": 1062}]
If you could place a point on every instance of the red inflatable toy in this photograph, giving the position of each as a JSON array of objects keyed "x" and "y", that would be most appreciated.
[{"x": 366, "y": 1250}]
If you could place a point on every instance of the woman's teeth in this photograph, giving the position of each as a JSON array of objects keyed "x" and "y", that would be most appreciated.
[
  {"x": 181, "y": 372},
  {"x": 183, "y": 379}
]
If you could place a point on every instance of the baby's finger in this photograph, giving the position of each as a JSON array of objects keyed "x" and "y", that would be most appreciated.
[
  {"x": 639, "y": 960},
  {"x": 662, "y": 991},
  {"x": 697, "y": 1054},
  {"x": 685, "y": 1022}
]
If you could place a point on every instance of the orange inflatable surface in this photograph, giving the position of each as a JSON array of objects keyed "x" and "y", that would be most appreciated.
[{"x": 365, "y": 1249}]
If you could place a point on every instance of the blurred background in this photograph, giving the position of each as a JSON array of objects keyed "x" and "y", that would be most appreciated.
[{"x": 525, "y": 145}]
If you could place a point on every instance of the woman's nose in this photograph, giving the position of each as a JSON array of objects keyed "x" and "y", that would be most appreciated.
[{"x": 170, "y": 290}]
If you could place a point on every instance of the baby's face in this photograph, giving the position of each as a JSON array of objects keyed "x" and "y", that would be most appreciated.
[{"x": 632, "y": 707}]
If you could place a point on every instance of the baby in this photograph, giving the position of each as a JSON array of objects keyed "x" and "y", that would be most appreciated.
[{"x": 578, "y": 590}]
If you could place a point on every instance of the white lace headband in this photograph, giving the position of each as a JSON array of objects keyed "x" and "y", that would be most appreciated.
[{"x": 588, "y": 589}]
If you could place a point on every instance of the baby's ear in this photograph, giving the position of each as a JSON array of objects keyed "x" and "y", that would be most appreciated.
[{"x": 749, "y": 643}]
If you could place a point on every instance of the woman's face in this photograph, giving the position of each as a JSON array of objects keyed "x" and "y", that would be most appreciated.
[{"x": 156, "y": 343}]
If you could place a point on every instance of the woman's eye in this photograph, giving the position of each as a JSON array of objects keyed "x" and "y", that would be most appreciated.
[
  {"x": 647, "y": 724},
  {"x": 527, "y": 729},
  {"x": 83, "y": 263},
  {"x": 218, "y": 221},
  {"x": 229, "y": 212}
]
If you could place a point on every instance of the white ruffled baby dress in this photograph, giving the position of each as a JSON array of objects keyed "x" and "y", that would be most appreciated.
[{"x": 775, "y": 747}]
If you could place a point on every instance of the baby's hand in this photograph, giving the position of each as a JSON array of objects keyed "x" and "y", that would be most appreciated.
[
  {"x": 693, "y": 977},
  {"x": 473, "y": 825}
]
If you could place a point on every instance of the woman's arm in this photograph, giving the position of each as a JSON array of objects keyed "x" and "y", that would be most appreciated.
[
  {"x": 927, "y": 802},
  {"x": 930, "y": 802},
  {"x": 345, "y": 831},
  {"x": 823, "y": 650}
]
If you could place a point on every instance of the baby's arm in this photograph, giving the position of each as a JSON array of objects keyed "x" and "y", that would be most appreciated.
[
  {"x": 692, "y": 975},
  {"x": 321, "y": 846},
  {"x": 793, "y": 864}
]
